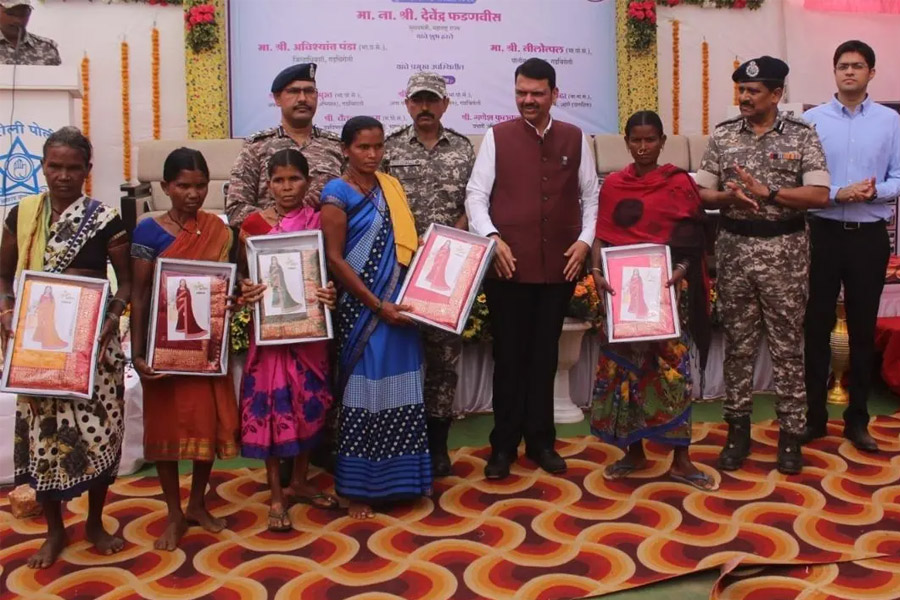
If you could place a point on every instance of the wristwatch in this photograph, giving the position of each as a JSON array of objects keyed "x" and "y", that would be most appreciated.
[{"x": 773, "y": 191}]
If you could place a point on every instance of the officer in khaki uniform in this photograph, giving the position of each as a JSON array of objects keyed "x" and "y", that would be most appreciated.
[
  {"x": 763, "y": 169},
  {"x": 295, "y": 93},
  {"x": 17, "y": 46},
  {"x": 433, "y": 163}
]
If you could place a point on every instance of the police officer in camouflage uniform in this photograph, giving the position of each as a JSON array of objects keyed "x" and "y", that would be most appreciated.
[
  {"x": 17, "y": 46},
  {"x": 433, "y": 163},
  {"x": 295, "y": 93},
  {"x": 763, "y": 169}
]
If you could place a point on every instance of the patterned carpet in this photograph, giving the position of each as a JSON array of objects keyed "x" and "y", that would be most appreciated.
[
  {"x": 530, "y": 536},
  {"x": 871, "y": 579}
]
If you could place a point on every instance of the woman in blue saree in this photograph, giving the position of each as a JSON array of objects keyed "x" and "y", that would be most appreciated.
[{"x": 370, "y": 238}]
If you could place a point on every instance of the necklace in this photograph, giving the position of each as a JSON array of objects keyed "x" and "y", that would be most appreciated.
[{"x": 180, "y": 226}]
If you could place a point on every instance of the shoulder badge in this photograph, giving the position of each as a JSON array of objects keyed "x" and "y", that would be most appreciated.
[
  {"x": 44, "y": 40},
  {"x": 797, "y": 121},
  {"x": 730, "y": 121},
  {"x": 261, "y": 135},
  {"x": 458, "y": 134},
  {"x": 398, "y": 131},
  {"x": 327, "y": 133}
]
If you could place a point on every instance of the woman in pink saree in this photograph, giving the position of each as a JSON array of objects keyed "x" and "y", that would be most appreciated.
[
  {"x": 285, "y": 390},
  {"x": 438, "y": 274}
]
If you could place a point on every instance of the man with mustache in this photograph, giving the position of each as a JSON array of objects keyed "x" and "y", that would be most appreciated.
[
  {"x": 295, "y": 93},
  {"x": 534, "y": 189},
  {"x": 849, "y": 242},
  {"x": 17, "y": 46},
  {"x": 433, "y": 163},
  {"x": 763, "y": 169}
]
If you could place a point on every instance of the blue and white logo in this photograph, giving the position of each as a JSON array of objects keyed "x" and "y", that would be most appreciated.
[{"x": 19, "y": 167}]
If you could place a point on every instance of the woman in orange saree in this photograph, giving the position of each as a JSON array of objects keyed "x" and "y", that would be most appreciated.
[
  {"x": 45, "y": 329},
  {"x": 186, "y": 417}
]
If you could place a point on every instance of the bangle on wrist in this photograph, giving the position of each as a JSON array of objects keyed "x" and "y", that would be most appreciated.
[
  {"x": 6, "y": 312},
  {"x": 378, "y": 308},
  {"x": 112, "y": 315},
  {"x": 597, "y": 270}
]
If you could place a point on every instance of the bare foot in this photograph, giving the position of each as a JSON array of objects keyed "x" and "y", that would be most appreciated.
[
  {"x": 175, "y": 530},
  {"x": 102, "y": 541},
  {"x": 361, "y": 511},
  {"x": 204, "y": 519},
  {"x": 49, "y": 551}
]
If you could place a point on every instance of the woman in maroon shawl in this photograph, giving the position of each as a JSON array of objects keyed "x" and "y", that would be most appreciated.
[{"x": 643, "y": 390}]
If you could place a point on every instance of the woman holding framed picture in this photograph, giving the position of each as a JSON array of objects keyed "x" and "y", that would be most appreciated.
[
  {"x": 186, "y": 417},
  {"x": 370, "y": 239},
  {"x": 643, "y": 388},
  {"x": 286, "y": 388},
  {"x": 65, "y": 446}
]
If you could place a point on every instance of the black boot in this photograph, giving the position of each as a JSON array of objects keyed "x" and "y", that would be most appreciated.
[
  {"x": 438, "y": 430},
  {"x": 790, "y": 458},
  {"x": 737, "y": 446}
]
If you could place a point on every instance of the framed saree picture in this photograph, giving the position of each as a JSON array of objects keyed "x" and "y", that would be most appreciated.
[
  {"x": 444, "y": 277},
  {"x": 643, "y": 308},
  {"x": 189, "y": 314},
  {"x": 56, "y": 322},
  {"x": 292, "y": 266}
]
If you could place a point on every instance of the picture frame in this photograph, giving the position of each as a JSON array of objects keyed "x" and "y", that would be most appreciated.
[
  {"x": 292, "y": 265},
  {"x": 444, "y": 277},
  {"x": 643, "y": 308},
  {"x": 57, "y": 320},
  {"x": 189, "y": 317}
]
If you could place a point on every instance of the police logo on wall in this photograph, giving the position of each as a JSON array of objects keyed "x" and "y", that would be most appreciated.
[{"x": 19, "y": 167}]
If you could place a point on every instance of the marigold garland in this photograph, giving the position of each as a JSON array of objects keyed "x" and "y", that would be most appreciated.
[
  {"x": 704, "y": 53},
  {"x": 737, "y": 99},
  {"x": 676, "y": 77},
  {"x": 86, "y": 111},
  {"x": 126, "y": 115},
  {"x": 154, "y": 80}
]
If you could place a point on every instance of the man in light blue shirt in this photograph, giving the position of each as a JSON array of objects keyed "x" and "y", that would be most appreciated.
[{"x": 849, "y": 242}]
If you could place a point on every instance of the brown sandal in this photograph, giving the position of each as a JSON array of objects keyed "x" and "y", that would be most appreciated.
[{"x": 280, "y": 521}]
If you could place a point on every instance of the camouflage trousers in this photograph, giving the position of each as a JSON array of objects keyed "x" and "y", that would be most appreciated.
[
  {"x": 442, "y": 350},
  {"x": 763, "y": 284}
]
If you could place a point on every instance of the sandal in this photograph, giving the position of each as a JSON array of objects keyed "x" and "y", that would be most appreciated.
[
  {"x": 700, "y": 480},
  {"x": 320, "y": 500},
  {"x": 622, "y": 469},
  {"x": 280, "y": 521}
]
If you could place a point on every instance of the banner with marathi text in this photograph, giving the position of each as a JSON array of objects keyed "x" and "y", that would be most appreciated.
[{"x": 367, "y": 49}]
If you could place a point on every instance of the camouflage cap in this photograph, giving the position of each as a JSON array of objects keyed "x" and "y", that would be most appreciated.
[
  {"x": 425, "y": 81},
  {"x": 15, "y": 3}
]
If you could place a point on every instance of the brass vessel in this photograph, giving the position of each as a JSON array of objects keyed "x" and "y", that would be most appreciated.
[{"x": 840, "y": 357}]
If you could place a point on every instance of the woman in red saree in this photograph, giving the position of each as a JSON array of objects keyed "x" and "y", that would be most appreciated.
[
  {"x": 186, "y": 417},
  {"x": 186, "y": 322},
  {"x": 438, "y": 274},
  {"x": 643, "y": 390},
  {"x": 637, "y": 305}
]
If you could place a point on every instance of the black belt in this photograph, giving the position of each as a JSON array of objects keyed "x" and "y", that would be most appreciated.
[
  {"x": 847, "y": 225},
  {"x": 762, "y": 229}
]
